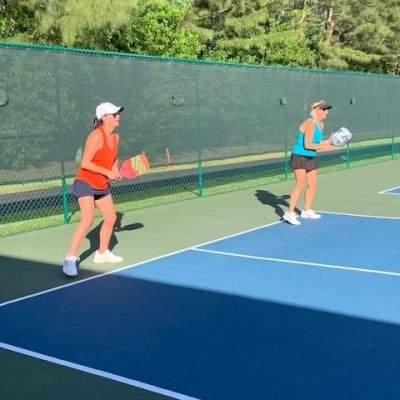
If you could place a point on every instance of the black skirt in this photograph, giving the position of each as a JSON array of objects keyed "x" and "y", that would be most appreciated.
[{"x": 298, "y": 161}]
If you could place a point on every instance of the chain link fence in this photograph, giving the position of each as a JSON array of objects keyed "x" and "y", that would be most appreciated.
[{"x": 206, "y": 127}]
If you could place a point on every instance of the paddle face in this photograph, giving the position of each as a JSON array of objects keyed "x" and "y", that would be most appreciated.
[
  {"x": 134, "y": 166},
  {"x": 341, "y": 137}
]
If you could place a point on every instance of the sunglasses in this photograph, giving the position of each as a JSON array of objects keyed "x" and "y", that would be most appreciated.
[{"x": 115, "y": 114}]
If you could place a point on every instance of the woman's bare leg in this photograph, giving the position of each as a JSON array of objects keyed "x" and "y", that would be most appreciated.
[
  {"x": 107, "y": 209},
  {"x": 300, "y": 175},
  {"x": 312, "y": 181},
  {"x": 86, "y": 205}
]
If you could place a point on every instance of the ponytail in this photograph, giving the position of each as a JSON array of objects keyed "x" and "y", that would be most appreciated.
[{"x": 96, "y": 123}]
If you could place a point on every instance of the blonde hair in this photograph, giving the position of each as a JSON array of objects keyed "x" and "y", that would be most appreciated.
[
  {"x": 314, "y": 107},
  {"x": 317, "y": 103}
]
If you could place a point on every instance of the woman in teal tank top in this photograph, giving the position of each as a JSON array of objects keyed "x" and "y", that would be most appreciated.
[{"x": 309, "y": 140}]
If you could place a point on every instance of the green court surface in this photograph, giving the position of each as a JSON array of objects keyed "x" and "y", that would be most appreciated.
[{"x": 31, "y": 262}]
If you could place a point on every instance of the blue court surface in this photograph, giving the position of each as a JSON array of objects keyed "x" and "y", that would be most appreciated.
[{"x": 278, "y": 312}]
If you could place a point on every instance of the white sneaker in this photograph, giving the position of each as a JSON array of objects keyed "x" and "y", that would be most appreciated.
[
  {"x": 291, "y": 217},
  {"x": 69, "y": 267},
  {"x": 105, "y": 257},
  {"x": 310, "y": 214}
]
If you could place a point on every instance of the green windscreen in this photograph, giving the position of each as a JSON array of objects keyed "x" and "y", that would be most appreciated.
[{"x": 202, "y": 125}]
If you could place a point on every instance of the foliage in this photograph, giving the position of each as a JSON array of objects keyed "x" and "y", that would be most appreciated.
[
  {"x": 17, "y": 18},
  {"x": 158, "y": 28},
  {"x": 82, "y": 22},
  {"x": 365, "y": 36},
  {"x": 340, "y": 34},
  {"x": 257, "y": 31}
]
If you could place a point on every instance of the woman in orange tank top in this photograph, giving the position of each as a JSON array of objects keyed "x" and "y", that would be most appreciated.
[{"x": 91, "y": 187}]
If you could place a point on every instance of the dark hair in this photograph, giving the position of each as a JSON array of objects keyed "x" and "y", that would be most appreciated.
[{"x": 97, "y": 122}]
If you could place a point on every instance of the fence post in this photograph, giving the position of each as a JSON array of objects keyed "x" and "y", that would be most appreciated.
[
  {"x": 352, "y": 102},
  {"x": 283, "y": 102},
  {"x": 199, "y": 174},
  {"x": 393, "y": 147},
  {"x": 64, "y": 191}
]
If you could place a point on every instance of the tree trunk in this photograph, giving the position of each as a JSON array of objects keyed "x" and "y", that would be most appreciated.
[{"x": 330, "y": 24}]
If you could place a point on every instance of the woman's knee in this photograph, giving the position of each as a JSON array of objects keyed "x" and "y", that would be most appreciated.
[
  {"x": 87, "y": 222},
  {"x": 312, "y": 184},
  {"x": 110, "y": 218},
  {"x": 299, "y": 185}
]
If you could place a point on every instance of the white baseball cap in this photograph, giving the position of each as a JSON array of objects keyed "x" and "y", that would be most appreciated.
[{"x": 107, "y": 108}]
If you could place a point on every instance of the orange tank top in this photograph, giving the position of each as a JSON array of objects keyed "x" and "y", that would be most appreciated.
[{"x": 105, "y": 157}]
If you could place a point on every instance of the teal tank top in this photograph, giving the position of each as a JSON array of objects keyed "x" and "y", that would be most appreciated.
[{"x": 298, "y": 147}]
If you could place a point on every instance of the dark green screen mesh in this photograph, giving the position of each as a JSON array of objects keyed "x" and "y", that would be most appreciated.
[{"x": 202, "y": 125}]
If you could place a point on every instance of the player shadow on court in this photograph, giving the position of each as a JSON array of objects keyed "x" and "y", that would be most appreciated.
[
  {"x": 279, "y": 203},
  {"x": 93, "y": 236}
]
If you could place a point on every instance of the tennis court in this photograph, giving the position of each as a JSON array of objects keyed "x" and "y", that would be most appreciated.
[{"x": 219, "y": 300}]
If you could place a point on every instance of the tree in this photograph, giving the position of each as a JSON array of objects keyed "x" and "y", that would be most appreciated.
[
  {"x": 17, "y": 19},
  {"x": 148, "y": 27},
  {"x": 159, "y": 28},
  {"x": 337, "y": 34},
  {"x": 256, "y": 31},
  {"x": 359, "y": 35},
  {"x": 85, "y": 23}
]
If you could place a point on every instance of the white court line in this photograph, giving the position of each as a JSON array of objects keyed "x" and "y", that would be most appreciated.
[
  {"x": 78, "y": 282},
  {"x": 97, "y": 372},
  {"x": 386, "y": 191},
  {"x": 174, "y": 253},
  {"x": 141, "y": 384},
  {"x": 358, "y": 215},
  {"x": 311, "y": 264},
  {"x": 30, "y": 296}
]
